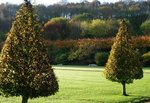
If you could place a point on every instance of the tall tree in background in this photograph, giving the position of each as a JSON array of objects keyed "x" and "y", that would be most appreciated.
[
  {"x": 57, "y": 28},
  {"x": 24, "y": 65},
  {"x": 123, "y": 64}
]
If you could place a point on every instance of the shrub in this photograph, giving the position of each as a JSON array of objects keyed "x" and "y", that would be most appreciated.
[
  {"x": 82, "y": 50},
  {"x": 101, "y": 58},
  {"x": 146, "y": 59},
  {"x": 61, "y": 58}
]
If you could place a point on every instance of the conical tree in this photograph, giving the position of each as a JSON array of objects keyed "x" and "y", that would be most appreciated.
[
  {"x": 124, "y": 62},
  {"x": 24, "y": 65}
]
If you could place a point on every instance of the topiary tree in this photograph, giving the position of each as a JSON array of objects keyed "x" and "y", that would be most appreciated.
[
  {"x": 124, "y": 63},
  {"x": 24, "y": 65}
]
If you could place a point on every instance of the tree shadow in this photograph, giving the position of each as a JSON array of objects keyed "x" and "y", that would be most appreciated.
[{"x": 140, "y": 99}]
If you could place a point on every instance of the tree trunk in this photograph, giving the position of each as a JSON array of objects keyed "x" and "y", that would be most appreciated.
[
  {"x": 124, "y": 88},
  {"x": 24, "y": 99}
]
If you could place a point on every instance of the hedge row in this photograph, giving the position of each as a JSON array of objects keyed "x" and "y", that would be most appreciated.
[
  {"x": 88, "y": 51},
  {"x": 140, "y": 42}
]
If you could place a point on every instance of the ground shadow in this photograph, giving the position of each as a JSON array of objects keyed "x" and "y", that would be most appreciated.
[{"x": 140, "y": 99}]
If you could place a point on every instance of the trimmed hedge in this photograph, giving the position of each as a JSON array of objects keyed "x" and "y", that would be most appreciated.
[
  {"x": 83, "y": 51},
  {"x": 142, "y": 42}
]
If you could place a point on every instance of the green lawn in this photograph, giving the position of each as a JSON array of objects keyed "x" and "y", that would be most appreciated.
[{"x": 84, "y": 84}]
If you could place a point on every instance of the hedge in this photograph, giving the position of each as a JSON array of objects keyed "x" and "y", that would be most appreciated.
[{"x": 140, "y": 42}]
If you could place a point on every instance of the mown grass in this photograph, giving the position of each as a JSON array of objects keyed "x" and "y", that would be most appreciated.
[{"x": 87, "y": 85}]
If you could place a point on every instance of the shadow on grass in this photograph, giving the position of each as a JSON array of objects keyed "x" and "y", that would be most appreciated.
[
  {"x": 92, "y": 100},
  {"x": 135, "y": 99},
  {"x": 140, "y": 99}
]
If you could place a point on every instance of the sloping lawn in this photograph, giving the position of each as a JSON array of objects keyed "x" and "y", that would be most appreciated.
[{"x": 81, "y": 84}]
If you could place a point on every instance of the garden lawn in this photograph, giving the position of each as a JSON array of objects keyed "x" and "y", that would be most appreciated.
[{"x": 82, "y": 84}]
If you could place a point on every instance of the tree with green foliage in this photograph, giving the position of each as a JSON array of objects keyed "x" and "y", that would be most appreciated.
[
  {"x": 145, "y": 27},
  {"x": 124, "y": 62},
  {"x": 136, "y": 21},
  {"x": 103, "y": 28},
  {"x": 75, "y": 29},
  {"x": 57, "y": 28},
  {"x": 24, "y": 65}
]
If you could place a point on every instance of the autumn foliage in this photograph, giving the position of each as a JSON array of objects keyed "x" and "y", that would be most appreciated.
[
  {"x": 140, "y": 42},
  {"x": 75, "y": 53}
]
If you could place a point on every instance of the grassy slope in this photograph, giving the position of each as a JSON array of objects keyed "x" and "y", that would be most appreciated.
[{"x": 90, "y": 87}]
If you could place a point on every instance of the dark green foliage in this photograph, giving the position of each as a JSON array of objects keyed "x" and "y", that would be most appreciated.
[
  {"x": 82, "y": 50},
  {"x": 62, "y": 58},
  {"x": 82, "y": 53},
  {"x": 24, "y": 65},
  {"x": 57, "y": 28},
  {"x": 75, "y": 29},
  {"x": 124, "y": 62},
  {"x": 136, "y": 22},
  {"x": 2, "y": 36},
  {"x": 101, "y": 58},
  {"x": 146, "y": 59}
]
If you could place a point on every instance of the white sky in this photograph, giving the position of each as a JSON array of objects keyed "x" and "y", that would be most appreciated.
[{"x": 47, "y": 2}]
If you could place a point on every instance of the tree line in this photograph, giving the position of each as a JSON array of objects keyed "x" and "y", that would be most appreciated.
[
  {"x": 81, "y": 26},
  {"x": 136, "y": 12}
]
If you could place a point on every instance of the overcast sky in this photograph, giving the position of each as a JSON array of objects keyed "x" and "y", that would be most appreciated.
[{"x": 47, "y": 2}]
